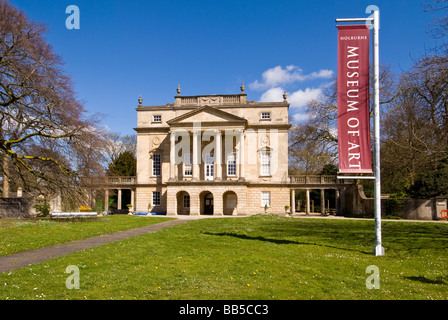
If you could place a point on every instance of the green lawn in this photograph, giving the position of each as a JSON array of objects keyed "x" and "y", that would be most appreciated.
[
  {"x": 258, "y": 257},
  {"x": 24, "y": 235}
]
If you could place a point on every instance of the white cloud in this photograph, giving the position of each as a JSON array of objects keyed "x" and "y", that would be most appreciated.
[
  {"x": 299, "y": 117},
  {"x": 272, "y": 95},
  {"x": 298, "y": 99},
  {"x": 301, "y": 98},
  {"x": 278, "y": 75}
]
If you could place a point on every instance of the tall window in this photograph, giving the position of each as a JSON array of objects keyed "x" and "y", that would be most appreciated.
[
  {"x": 265, "y": 159},
  {"x": 188, "y": 160},
  {"x": 231, "y": 164},
  {"x": 187, "y": 201},
  {"x": 156, "y": 198},
  {"x": 156, "y": 163},
  {"x": 265, "y": 198}
]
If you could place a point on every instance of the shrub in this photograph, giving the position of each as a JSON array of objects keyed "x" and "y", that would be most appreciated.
[{"x": 42, "y": 207}]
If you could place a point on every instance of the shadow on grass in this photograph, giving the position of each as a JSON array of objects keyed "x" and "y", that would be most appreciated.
[
  {"x": 280, "y": 241},
  {"x": 426, "y": 280}
]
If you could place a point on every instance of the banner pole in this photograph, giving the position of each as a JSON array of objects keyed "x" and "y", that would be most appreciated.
[{"x": 378, "y": 250}]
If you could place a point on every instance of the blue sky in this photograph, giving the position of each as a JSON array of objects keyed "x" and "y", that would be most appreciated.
[{"x": 124, "y": 49}]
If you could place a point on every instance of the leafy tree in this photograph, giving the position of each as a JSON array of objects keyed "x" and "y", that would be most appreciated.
[
  {"x": 124, "y": 165},
  {"x": 415, "y": 128}
]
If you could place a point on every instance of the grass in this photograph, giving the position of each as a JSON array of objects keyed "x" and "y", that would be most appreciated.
[
  {"x": 24, "y": 235},
  {"x": 258, "y": 257}
]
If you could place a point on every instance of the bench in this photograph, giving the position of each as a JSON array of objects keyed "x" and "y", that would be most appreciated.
[{"x": 73, "y": 214}]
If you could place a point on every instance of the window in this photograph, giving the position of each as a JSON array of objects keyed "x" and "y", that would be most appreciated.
[
  {"x": 156, "y": 198},
  {"x": 231, "y": 164},
  {"x": 209, "y": 166},
  {"x": 265, "y": 159},
  {"x": 188, "y": 169},
  {"x": 157, "y": 118},
  {"x": 265, "y": 198},
  {"x": 156, "y": 165},
  {"x": 265, "y": 116},
  {"x": 187, "y": 201}
]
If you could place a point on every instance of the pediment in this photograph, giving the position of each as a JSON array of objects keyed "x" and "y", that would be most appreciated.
[{"x": 206, "y": 114}]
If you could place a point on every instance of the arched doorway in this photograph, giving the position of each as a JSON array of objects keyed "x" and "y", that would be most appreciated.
[
  {"x": 230, "y": 200},
  {"x": 183, "y": 203},
  {"x": 206, "y": 198}
]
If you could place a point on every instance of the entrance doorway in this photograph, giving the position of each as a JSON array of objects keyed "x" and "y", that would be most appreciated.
[
  {"x": 209, "y": 165},
  {"x": 208, "y": 203}
]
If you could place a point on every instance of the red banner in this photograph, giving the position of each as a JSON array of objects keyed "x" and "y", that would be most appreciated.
[{"x": 353, "y": 100}]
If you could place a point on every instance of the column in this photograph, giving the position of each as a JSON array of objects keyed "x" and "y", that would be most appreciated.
[
  {"x": 322, "y": 202},
  {"x": 106, "y": 200},
  {"x": 293, "y": 201},
  {"x": 307, "y": 201},
  {"x": 119, "y": 199},
  {"x": 337, "y": 202},
  {"x": 133, "y": 199},
  {"x": 195, "y": 157},
  {"x": 218, "y": 155},
  {"x": 172, "y": 156},
  {"x": 241, "y": 157}
]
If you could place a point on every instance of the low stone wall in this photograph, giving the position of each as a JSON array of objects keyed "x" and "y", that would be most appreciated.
[
  {"x": 15, "y": 208},
  {"x": 357, "y": 204}
]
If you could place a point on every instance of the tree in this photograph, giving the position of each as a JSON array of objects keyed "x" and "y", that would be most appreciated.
[
  {"x": 46, "y": 140},
  {"x": 124, "y": 165},
  {"x": 117, "y": 144},
  {"x": 415, "y": 126}
]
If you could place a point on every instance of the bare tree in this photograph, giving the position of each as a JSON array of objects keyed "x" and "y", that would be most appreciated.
[{"x": 46, "y": 137}]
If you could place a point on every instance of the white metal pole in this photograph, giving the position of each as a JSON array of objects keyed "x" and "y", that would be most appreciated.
[{"x": 378, "y": 250}]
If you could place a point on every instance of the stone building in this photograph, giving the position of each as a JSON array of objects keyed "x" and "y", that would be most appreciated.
[{"x": 212, "y": 154}]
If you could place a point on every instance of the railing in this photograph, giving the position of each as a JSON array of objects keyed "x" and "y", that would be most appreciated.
[
  {"x": 305, "y": 179},
  {"x": 299, "y": 179},
  {"x": 121, "y": 180},
  {"x": 210, "y": 100}
]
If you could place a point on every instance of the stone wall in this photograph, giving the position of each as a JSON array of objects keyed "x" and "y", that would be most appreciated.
[
  {"x": 357, "y": 204},
  {"x": 15, "y": 208}
]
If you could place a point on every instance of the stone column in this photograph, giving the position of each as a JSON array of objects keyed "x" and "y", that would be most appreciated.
[
  {"x": 133, "y": 199},
  {"x": 322, "y": 201},
  {"x": 218, "y": 155},
  {"x": 172, "y": 156},
  {"x": 119, "y": 199},
  {"x": 307, "y": 201},
  {"x": 241, "y": 157},
  {"x": 195, "y": 157},
  {"x": 293, "y": 201},
  {"x": 106, "y": 200},
  {"x": 337, "y": 202}
]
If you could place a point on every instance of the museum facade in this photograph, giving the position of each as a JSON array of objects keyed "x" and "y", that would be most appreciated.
[{"x": 212, "y": 155}]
